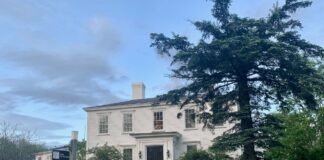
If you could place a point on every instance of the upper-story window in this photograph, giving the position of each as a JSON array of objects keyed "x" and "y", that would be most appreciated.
[
  {"x": 158, "y": 120},
  {"x": 103, "y": 123},
  {"x": 128, "y": 124},
  {"x": 190, "y": 118}
]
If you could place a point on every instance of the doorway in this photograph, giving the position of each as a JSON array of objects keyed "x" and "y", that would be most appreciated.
[{"x": 154, "y": 152}]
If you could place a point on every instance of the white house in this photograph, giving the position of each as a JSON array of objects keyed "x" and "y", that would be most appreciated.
[{"x": 143, "y": 131}]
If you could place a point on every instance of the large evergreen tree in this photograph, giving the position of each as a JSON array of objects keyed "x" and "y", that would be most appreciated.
[{"x": 257, "y": 64}]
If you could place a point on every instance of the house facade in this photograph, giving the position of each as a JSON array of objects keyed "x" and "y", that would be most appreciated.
[{"x": 142, "y": 131}]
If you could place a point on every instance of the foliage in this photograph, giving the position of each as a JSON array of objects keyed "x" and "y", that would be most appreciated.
[
  {"x": 105, "y": 152},
  {"x": 257, "y": 64},
  {"x": 82, "y": 151},
  {"x": 302, "y": 138},
  {"x": 197, "y": 155},
  {"x": 17, "y": 143}
]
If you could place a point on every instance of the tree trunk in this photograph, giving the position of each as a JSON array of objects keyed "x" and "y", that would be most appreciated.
[{"x": 246, "y": 120}]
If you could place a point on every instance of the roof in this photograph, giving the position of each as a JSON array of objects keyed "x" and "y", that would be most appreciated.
[
  {"x": 124, "y": 104},
  {"x": 49, "y": 151}
]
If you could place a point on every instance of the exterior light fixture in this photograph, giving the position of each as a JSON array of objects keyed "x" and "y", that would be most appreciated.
[
  {"x": 168, "y": 154},
  {"x": 140, "y": 154}
]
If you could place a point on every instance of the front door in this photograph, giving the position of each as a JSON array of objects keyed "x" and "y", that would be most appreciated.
[{"x": 154, "y": 153}]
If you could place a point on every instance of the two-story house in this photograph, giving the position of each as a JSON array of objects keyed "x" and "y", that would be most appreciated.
[{"x": 143, "y": 131}]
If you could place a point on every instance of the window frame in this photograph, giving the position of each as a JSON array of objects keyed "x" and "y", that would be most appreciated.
[
  {"x": 195, "y": 147},
  {"x": 188, "y": 118},
  {"x": 100, "y": 115},
  {"x": 131, "y": 122},
  {"x": 158, "y": 120},
  {"x": 131, "y": 155}
]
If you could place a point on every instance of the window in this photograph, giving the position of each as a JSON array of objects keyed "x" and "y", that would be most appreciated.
[
  {"x": 127, "y": 154},
  {"x": 191, "y": 148},
  {"x": 190, "y": 118},
  {"x": 158, "y": 120},
  {"x": 103, "y": 123},
  {"x": 128, "y": 125}
]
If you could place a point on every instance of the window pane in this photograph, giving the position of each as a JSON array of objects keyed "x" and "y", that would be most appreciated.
[
  {"x": 158, "y": 120},
  {"x": 127, "y": 154},
  {"x": 191, "y": 148},
  {"x": 190, "y": 118},
  {"x": 128, "y": 125},
  {"x": 103, "y": 124}
]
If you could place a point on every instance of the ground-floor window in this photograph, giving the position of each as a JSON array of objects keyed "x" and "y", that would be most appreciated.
[
  {"x": 127, "y": 154},
  {"x": 191, "y": 148}
]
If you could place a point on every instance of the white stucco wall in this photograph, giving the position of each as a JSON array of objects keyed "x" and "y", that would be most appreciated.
[{"x": 143, "y": 123}]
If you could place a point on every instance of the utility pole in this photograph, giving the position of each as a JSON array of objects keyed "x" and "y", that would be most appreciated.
[{"x": 73, "y": 145}]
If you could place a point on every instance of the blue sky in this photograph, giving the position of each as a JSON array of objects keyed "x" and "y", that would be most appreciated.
[{"x": 60, "y": 56}]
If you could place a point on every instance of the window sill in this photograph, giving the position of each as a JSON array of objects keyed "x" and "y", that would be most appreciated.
[
  {"x": 162, "y": 130},
  {"x": 126, "y": 133},
  {"x": 190, "y": 129}
]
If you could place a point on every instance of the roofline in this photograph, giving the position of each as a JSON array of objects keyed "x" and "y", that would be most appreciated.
[{"x": 122, "y": 105}]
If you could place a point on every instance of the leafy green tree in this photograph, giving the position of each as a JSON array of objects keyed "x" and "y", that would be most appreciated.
[
  {"x": 302, "y": 137},
  {"x": 197, "y": 155},
  {"x": 204, "y": 155},
  {"x": 82, "y": 150},
  {"x": 105, "y": 152},
  {"x": 17, "y": 143},
  {"x": 254, "y": 63}
]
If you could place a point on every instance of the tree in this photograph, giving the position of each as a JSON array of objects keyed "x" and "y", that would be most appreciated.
[
  {"x": 302, "y": 137},
  {"x": 105, "y": 152},
  {"x": 82, "y": 150},
  {"x": 257, "y": 64},
  {"x": 204, "y": 155},
  {"x": 197, "y": 155},
  {"x": 17, "y": 143}
]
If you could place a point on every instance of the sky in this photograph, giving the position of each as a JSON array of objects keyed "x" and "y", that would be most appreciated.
[{"x": 59, "y": 56}]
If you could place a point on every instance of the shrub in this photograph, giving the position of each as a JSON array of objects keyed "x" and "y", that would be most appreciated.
[
  {"x": 105, "y": 152},
  {"x": 197, "y": 155}
]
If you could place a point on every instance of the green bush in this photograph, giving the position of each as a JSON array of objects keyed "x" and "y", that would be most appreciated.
[
  {"x": 197, "y": 155},
  {"x": 105, "y": 152}
]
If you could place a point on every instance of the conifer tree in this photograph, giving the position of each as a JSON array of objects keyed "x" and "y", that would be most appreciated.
[{"x": 257, "y": 64}]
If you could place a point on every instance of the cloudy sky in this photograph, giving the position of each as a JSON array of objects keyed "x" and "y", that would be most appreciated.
[{"x": 58, "y": 56}]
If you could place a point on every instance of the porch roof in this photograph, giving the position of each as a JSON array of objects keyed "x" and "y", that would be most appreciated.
[{"x": 156, "y": 135}]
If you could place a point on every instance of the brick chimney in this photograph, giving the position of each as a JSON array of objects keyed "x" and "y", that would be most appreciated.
[{"x": 138, "y": 90}]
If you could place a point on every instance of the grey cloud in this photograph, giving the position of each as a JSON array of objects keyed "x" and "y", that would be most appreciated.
[
  {"x": 64, "y": 79},
  {"x": 32, "y": 123},
  {"x": 41, "y": 127},
  {"x": 74, "y": 75},
  {"x": 7, "y": 102}
]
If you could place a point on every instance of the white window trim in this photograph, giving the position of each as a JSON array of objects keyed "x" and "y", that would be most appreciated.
[
  {"x": 197, "y": 143},
  {"x": 163, "y": 119},
  {"x": 127, "y": 146},
  {"x": 184, "y": 117},
  {"x": 98, "y": 122},
  {"x": 133, "y": 120}
]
